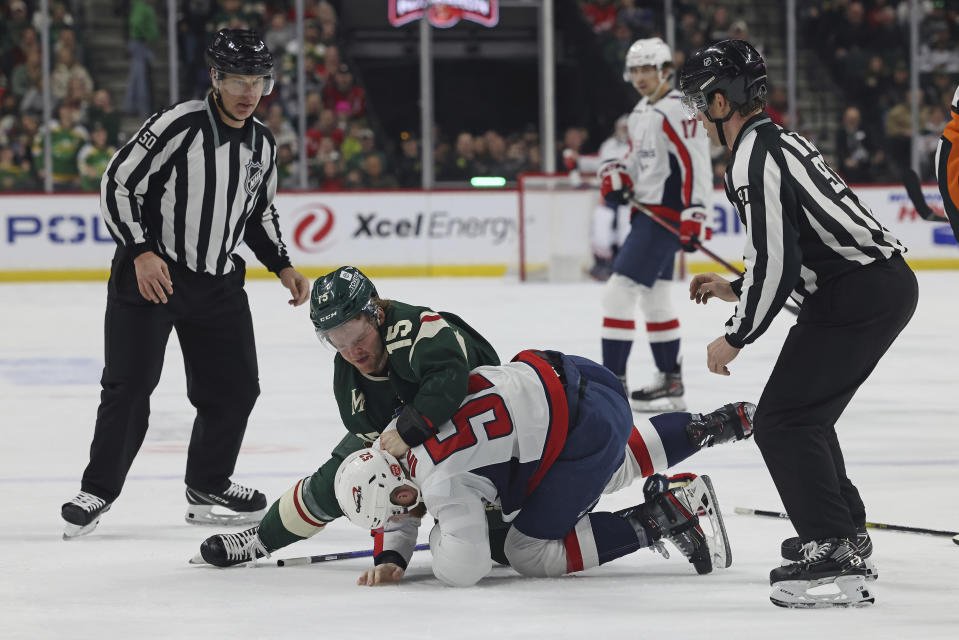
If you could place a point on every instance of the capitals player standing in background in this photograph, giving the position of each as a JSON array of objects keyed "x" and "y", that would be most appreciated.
[{"x": 667, "y": 169}]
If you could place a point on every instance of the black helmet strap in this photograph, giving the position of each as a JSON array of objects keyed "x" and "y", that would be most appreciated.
[{"x": 719, "y": 122}]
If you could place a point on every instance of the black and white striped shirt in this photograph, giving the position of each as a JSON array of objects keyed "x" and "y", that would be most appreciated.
[
  {"x": 804, "y": 225},
  {"x": 191, "y": 188}
]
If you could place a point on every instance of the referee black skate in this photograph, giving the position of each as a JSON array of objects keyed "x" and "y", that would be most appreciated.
[
  {"x": 196, "y": 181},
  {"x": 810, "y": 238}
]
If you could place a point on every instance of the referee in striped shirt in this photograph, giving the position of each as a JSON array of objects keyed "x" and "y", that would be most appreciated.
[
  {"x": 196, "y": 181},
  {"x": 809, "y": 238}
]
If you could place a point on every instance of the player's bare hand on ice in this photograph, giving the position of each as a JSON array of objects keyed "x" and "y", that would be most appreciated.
[
  {"x": 392, "y": 443},
  {"x": 710, "y": 285},
  {"x": 298, "y": 285},
  {"x": 386, "y": 573},
  {"x": 153, "y": 277},
  {"x": 719, "y": 353}
]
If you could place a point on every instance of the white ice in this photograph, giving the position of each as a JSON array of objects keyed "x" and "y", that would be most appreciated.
[{"x": 130, "y": 578}]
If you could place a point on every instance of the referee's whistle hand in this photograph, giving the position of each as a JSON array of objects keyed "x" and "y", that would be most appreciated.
[
  {"x": 153, "y": 277},
  {"x": 298, "y": 285},
  {"x": 719, "y": 353}
]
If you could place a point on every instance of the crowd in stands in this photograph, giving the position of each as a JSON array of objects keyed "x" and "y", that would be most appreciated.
[
  {"x": 84, "y": 126},
  {"x": 862, "y": 42},
  {"x": 865, "y": 46}
]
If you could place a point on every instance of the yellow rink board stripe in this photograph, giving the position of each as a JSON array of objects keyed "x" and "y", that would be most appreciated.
[{"x": 397, "y": 271}]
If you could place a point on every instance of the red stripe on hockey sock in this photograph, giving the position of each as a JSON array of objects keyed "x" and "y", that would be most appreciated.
[
  {"x": 302, "y": 510},
  {"x": 613, "y": 323},
  {"x": 637, "y": 445},
  {"x": 663, "y": 326},
  {"x": 574, "y": 557}
]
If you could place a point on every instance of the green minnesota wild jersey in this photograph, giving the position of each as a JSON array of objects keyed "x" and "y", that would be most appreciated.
[
  {"x": 65, "y": 144},
  {"x": 429, "y": 357},
  {"x": 96, "y": 159}
]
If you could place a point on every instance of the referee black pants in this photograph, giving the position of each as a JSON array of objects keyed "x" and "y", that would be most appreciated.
[
  {"x": 841, "y": 333},
  {"x": 212, "y": 319}
]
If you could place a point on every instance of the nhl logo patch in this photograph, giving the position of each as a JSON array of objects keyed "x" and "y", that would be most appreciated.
[{"x": 254, "y": 176}]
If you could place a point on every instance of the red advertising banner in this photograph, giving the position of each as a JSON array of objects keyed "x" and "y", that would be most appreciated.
[{"x": 446, "y": 13}]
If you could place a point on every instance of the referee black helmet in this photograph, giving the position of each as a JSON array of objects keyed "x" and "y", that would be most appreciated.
[
  {"x": 734, "y": 67},
  {"x": 239, "y": 51}
]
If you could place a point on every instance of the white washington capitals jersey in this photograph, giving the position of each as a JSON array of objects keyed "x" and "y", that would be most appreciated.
[
  {"x": 495, "y": 450},
  {"x": 668, "y": 157}
]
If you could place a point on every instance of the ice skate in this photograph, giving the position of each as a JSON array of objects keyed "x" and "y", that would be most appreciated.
[
  {"x": 683, "y": 509},
  {"x": 792, "y": 551},
  {"x": 832, "y": 574},
  {"x": 82, "y": 514},
  {"x": 664, "y": 394},
  {"x": 246, "y": 506},
  {"x": 230, "y": 549},
  {"x": 730, "y": 422}
]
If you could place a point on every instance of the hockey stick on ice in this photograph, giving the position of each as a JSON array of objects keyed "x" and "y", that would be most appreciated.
[
  {"x": 696, "y": 243},
  {"x": 914, "y": 189},
  {"x": 869, "y": 525},
  {"x": 343, "y": 555}
]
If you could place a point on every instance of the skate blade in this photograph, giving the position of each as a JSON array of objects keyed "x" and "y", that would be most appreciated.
[
  {"x": 198, "y": 559},
  {"x": 702, "y": 497},
  {"x": 204, "y": 515},
  {"x": 71, "y": 531},
  {"x": 658, "y": 405},
  {"x": 806, "y": 594}
]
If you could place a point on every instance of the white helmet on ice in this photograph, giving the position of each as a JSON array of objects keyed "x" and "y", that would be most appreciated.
[
  {"x": 364, "y": 484},
  {"x": 652, "y": 52}
]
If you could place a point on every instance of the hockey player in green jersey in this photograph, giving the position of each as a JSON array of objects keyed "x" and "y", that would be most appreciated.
[{"x": 394, "y": 361}]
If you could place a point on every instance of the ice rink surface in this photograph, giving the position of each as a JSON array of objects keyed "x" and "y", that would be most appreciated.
[{"x": 130, "y": 578}]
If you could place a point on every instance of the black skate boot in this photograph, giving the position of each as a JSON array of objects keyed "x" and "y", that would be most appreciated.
[
  {"x": 664, "y": 394},
  {"x": 792, "y": 551},
  {"x": 670, "y": 512},
  {"x": 229, "y": 549},
  {"x": 248, "y": 506},
  {"x": 82, "y": 514},
  {"x": 832, "y": 561},
  {"x": 729, "y": 422}
]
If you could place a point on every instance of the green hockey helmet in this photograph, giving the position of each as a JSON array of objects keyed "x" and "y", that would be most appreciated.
[{"x": 340, "y": 296}]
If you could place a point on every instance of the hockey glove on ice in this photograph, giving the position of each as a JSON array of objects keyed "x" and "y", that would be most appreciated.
[
  {"x": 691, "y": 228},
  {"x": 615, "y": 183}
]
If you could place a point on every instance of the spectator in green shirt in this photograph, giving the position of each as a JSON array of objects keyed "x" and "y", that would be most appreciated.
[
  {"x": 66, "y": 138},
  {"x": 93, "y": 158}
]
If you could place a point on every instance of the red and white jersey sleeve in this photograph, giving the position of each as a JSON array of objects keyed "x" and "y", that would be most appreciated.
[
  {"x": 502, "y": 423},
  {"x": 669, "y": 155}
]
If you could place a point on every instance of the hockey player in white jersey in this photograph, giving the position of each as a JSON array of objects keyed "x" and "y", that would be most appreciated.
[
  {"x": 668, "y": 169},
  {"x": 543, "y": 438},
  {"x": 610, "y": 221}
]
